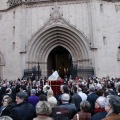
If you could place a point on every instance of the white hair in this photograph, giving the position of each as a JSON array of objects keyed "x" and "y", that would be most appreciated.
[
  {"x": 52, "y": 101},
  {"x": 99, "y": 86},
  {"x": 101, "y": 101}
]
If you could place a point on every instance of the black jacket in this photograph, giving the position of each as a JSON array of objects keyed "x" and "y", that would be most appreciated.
[
  {"x": 23, "y": 111},
  {"x": 6, "y": 111},
  {"x": 76, "y": 99}
]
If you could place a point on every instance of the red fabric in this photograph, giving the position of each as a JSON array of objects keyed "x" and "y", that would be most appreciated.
[
  {"x": 55, "y": 85},
  {"x": 99, "y": 110}
]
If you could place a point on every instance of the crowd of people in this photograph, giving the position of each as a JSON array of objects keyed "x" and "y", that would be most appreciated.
[{"x": 80, "y": 99}]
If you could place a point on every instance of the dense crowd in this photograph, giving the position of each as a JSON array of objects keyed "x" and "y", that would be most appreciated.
[{"x": 80, "y": 99}]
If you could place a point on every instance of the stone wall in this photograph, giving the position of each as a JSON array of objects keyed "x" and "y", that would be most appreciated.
[{"x": 97, "y": 21}]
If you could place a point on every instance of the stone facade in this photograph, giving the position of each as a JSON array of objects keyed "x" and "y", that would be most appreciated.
[{"x": 88, "y": 29}]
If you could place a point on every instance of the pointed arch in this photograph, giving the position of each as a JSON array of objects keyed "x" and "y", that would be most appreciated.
[{"x": 58, "y": 35}]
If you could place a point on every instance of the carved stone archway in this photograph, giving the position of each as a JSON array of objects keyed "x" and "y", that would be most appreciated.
[
  {"x": 45, "y": 42},
  {"x": 57, "y": 32}
]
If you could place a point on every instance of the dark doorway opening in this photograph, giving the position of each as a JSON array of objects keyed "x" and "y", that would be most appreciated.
[{"x": 60, "y": 60}]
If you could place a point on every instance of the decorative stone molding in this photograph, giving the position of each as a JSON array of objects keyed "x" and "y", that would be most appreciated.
[
  {"x": 13, "y": 3},
  {"x": 112, "y": 0}
]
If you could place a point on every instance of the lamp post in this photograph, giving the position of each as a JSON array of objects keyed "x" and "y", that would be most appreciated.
[{"x": 38, "y": 71}]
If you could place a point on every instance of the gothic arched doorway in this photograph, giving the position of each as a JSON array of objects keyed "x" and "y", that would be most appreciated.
[{"x": 60, "y": 60}]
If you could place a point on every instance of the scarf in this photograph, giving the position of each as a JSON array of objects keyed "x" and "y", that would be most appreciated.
[{"x": 99, "y": 110}]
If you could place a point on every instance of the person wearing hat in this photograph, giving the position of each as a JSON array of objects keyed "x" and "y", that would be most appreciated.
[{"x": 23, "y": 109}]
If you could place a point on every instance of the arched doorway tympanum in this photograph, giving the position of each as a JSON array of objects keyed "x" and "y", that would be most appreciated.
[
  {"x": 57, "y": 41},
  {"x": 60, "y": 60}
]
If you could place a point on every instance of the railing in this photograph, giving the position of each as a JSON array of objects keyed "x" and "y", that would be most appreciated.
[
  {"x": 81, "y": 71},
  {"x": 32, "y": 73}
]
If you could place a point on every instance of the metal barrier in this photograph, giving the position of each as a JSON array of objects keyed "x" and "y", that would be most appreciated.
[
  {"x": 33, "y": 73},
  {"x": 81, "y": 71}
]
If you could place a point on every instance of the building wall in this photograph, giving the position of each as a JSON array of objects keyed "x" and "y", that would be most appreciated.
[
  {"x": 97, "y": 20},
  {"x": 106, "y": 30}
]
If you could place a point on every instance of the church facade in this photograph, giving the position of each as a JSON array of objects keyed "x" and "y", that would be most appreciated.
[{"x": 39, "y": 34}]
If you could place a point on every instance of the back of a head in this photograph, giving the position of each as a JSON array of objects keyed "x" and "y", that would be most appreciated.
[
  {"x": 8, "y": 90},
  {"x": 79, "y": 89},
  {"x": 52, "y": 101},
  {"x": 42, "y": 97},
  {"x": 92, "y": 88},
  {"x": 65, "y": 89},
  {"x": 99, "y": 86},
  {"x": 118, "y": 89},
  {"x": 33, "y": 92},
  {"x": 114, "y": 102},
  {"x": 22, "y": 95},
  {"x": 65, "y": 97},
  {"x": 74, "y": 89},
  {"x": 5, "y": 118},
  {"x": 85, "y": 106},
  {"x": 50, "y": 93},
  {"x": 101, "y": 101},
  {"x": 109, "y": 92},
  {"x": 43, "y": 108}
]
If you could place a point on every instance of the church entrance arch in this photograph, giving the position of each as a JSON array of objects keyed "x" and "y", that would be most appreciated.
[
  {"x": 48, "y": 40},
  {"x": 59, "y": 60}
]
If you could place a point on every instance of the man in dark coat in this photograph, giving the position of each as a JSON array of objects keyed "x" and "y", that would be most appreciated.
[
  {"x": 23, "y": 109},
  {"x": 66, "y": 105},
  {"x": 99, "y": 111},
  {"x": 92, "y": 98},
  {"x": 76, "y": 99}
]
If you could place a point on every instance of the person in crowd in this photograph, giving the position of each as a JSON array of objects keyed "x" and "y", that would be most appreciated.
[
  {"x": 13, "y": 88},
  {"x": 92, "y": 98},
  {"x": 2, "y": 91},
  {"x": 39, "y": 90},
  {"x": 33, "y": 99},
  {"x": 43, "y": 110},
  {"x": 76, "y": 99},
  {"x": 5, "y": 109},
  {"x": 9, "y": 92},
  {"x": 50, "y": 93},
  {"x": 99, "y": 111},
  {"x": 63, "y": 89},
  {"x": 118, "y": 91},
  {"x": 23, "y": 109},
  {"x": 42, "y": 97},
  {"x": 53, "y": 103},
  {"x": 99, "y": 90},
  {"x": 109, "y": 92},
  {"x": 82, "y": 95},
  {"x": 84, "y": 114},
  {"x": 112, "y": 107},
  {"x": 5, "y": 118},
  {"x": 110, "y": 88},
  {"x": 65, "y": 104}
]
